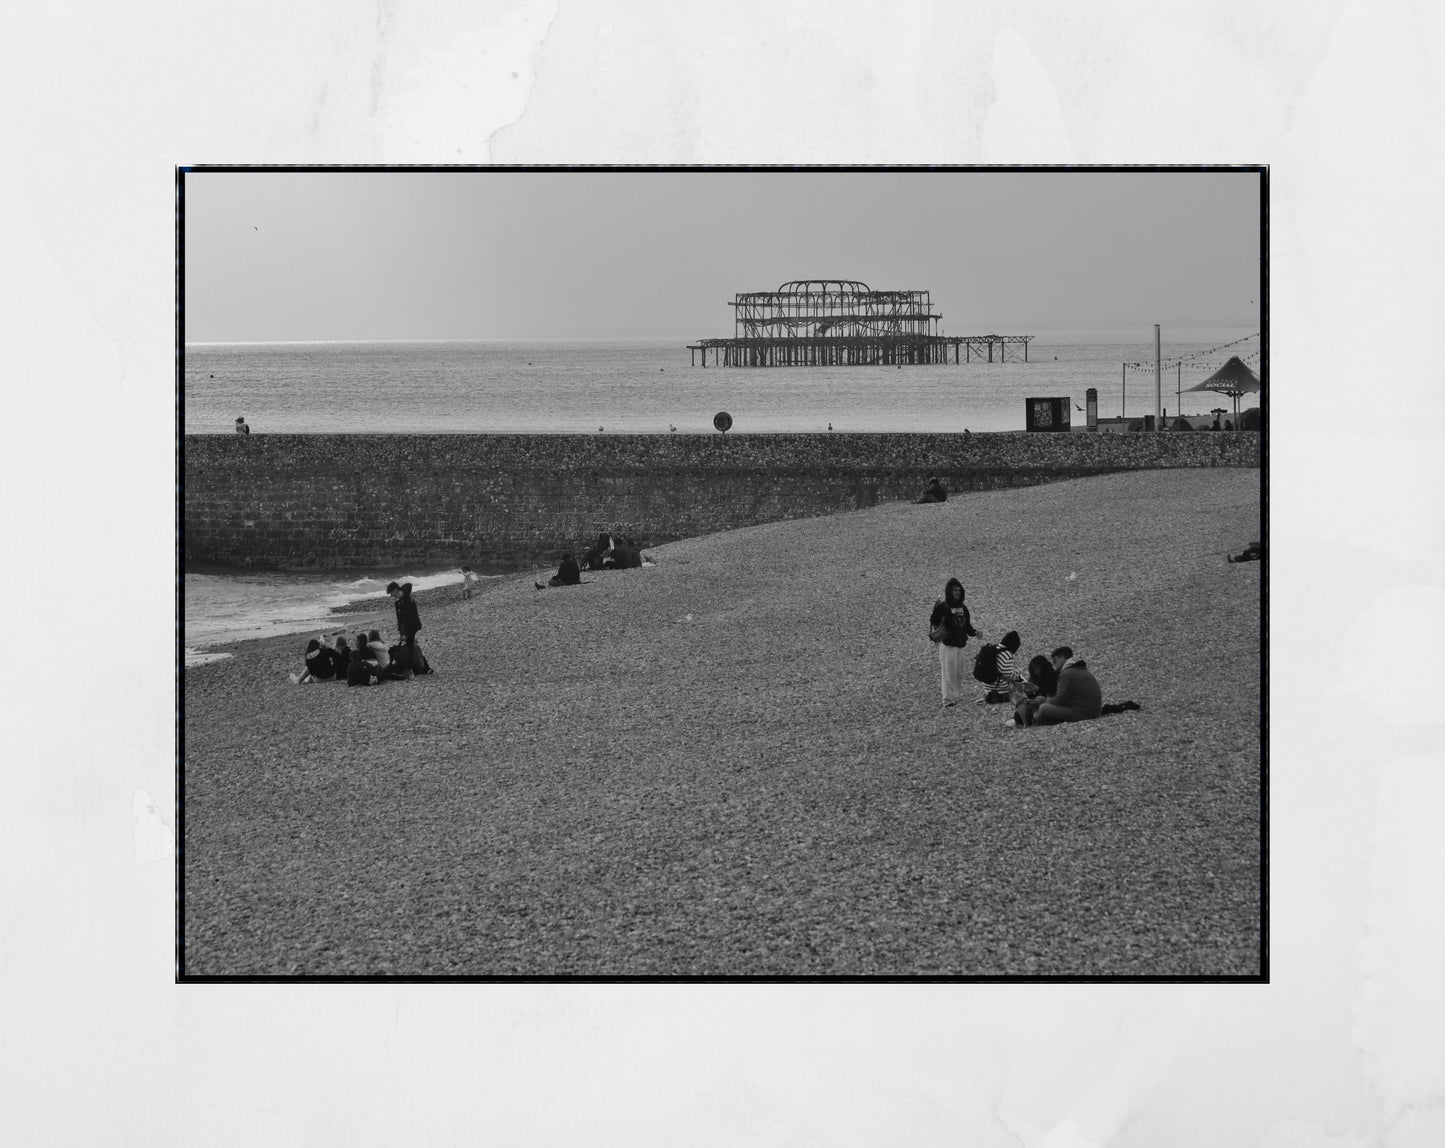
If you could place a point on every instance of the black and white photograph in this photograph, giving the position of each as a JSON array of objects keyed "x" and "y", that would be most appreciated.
[
  {"x": 725, "y": 389},
  {"x": 830, "y": 573}
]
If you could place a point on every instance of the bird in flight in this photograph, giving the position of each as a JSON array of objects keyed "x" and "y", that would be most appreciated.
[{"x": 254, "y": 227}]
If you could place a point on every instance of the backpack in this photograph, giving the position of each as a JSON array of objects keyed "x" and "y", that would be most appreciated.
[{"x": 985, "y": 666}]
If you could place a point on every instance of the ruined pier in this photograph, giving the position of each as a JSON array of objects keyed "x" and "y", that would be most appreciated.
[{"x": 844, "y": 323}]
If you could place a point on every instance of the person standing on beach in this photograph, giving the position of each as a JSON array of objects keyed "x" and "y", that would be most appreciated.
[
  {"x": 408, "y": 624},
  {"x": 469, "y": 582},
  {"x": 241, "y": 427},
  {"x": 949, "y": 628}
]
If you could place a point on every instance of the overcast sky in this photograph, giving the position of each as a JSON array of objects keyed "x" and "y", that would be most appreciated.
[{"x": 500, "y": 254}]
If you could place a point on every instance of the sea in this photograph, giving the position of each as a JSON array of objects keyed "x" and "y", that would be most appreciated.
[{"x": 629, "y": 386}]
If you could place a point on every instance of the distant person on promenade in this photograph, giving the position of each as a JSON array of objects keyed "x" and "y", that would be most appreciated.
[
  {"x": 949, "y": 628},
  {"x": 241, "y": 427},
  {"x": 1228, "y": 424},
  {"x": 469, "y": 582},
  {"x": 568, "y": 574},
  {"x": 933, "y": 492}
]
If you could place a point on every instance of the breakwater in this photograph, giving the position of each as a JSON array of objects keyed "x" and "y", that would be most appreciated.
[{"x": 506, "y": 502}]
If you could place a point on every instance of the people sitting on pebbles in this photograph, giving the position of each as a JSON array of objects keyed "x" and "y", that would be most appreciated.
[
  {"x": 568, "y": 574},
  {"x": 933, "y": 492},
  {"x": 614, "y": 552},
  {"x": 996, "y": 667},
  {"x": 1075, "y": 694},
  {"x": 322, "y": 663},
  {"x": 370, "y": 660},
  {"x": 1076, "y": 697}
]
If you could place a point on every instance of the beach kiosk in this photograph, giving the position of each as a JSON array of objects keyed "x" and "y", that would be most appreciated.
[{"x": 1047, "y": 414}]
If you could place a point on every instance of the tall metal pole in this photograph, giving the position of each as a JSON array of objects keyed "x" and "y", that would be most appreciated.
[
  {"x": 1178, "y": 383},
  {"x": 1157, "y": 395},
  {"x": 1123, "y": 388}
]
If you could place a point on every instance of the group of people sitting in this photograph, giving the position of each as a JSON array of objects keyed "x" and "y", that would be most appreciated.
[
  {"x": 609, "y": 552},
  {"x": 370, "y": 661},
  {"x": 367, "y": 663},
  {"x": 1051, "y": 690}
]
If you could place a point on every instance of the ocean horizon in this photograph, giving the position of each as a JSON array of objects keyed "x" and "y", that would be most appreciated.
[{"x": 650, "y": 386}]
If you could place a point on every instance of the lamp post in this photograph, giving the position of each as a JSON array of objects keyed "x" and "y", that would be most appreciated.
[{"x": 1157, "y": 394}]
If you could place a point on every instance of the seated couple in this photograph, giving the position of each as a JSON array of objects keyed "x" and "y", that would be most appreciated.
[
  {"x": 1060, "y": 689},
  {"x": 369, "y": 662}
]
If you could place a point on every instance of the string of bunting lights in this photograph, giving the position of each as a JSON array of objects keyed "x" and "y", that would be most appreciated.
[{"x": 1188, "y": 360}]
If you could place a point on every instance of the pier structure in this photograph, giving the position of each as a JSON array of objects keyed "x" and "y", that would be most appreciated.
[{"x": 843, "y": 322}]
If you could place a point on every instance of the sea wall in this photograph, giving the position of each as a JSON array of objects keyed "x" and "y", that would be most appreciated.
[{"x": 507, "y": 502}]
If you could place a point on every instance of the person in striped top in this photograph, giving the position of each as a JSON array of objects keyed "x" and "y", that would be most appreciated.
[{"x": 1009, "y": 673}]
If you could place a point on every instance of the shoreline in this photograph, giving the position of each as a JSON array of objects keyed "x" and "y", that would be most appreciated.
[{"x": 735, "y": 762}]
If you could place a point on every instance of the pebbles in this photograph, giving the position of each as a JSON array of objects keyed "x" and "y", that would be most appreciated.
[{"x": 591, "y": 786}]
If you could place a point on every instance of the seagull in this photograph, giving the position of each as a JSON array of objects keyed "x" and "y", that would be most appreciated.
[
  {"x": 254, "y": 227},
  {"x": 1077, "y": 407}
]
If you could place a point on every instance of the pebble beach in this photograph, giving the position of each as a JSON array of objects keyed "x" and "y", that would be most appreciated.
[{"x": 735, "y": 762}]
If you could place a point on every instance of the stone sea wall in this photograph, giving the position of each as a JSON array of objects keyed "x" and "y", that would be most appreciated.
[{"x": 506, "y": 502}]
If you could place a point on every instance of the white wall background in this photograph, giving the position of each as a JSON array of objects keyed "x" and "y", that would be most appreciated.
[{"x": 102, "y": 100}]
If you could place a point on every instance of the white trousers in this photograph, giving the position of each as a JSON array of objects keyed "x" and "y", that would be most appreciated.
[{"x": 954, "y": 670}]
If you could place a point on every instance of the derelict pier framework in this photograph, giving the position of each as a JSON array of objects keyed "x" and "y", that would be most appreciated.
[{"x": 843, "y": 322}]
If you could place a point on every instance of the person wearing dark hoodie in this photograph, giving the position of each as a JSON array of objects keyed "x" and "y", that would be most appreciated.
[
  {"x": 568, "y": 574},
  {"x": 949, "y": 628},
  {"x": 319, "y": 666},
  {"x": 933, "y": 492}
]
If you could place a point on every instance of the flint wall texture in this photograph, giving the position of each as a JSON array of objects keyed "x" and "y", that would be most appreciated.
[{"x": 506, "y": 502}]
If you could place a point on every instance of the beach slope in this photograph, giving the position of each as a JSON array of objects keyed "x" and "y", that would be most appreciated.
[{"x": 736, "y": 762}]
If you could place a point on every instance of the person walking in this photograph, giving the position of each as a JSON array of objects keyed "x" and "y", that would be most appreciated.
[{"x": 949, "y": 628}]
